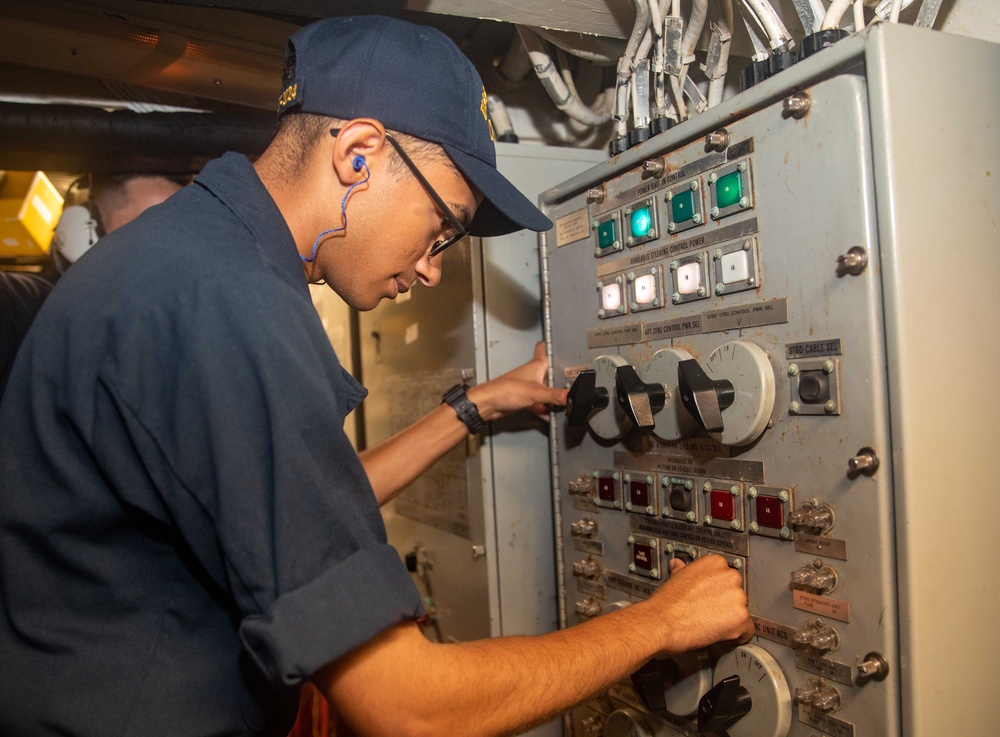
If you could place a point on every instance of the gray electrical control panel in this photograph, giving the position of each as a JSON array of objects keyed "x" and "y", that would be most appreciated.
[{"x": 770, "y": 319}]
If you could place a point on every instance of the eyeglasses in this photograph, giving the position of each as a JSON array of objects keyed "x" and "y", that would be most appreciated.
[{"x": 460, "y": 231}]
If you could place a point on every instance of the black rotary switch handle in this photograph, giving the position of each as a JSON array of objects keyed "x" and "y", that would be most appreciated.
[
  {"x": 584, "y": 397},
  {"x": 722, "y": 707},
  {"x": 639, "y": 400},
  {"x": 704, "y": 398}
]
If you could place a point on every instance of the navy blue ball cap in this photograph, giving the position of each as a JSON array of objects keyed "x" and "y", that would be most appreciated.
[{"x": 416, "y": 81}]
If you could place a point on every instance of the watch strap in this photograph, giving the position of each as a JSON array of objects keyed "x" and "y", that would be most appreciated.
[{"x": 465, "y": 408}]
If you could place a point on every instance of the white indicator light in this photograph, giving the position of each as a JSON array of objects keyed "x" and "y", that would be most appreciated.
[
  {"x": 611, "y": 297},
  {"x": 689, "y": 278},
  {"x": 645, "y": 289},
  {"x": 735, "y": 267}
]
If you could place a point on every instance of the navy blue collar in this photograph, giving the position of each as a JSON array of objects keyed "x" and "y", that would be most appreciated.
[{"x": 234, "y": 182}]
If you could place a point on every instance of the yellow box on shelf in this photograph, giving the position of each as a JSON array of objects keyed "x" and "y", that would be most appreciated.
[{"x": 29, "y": 210}]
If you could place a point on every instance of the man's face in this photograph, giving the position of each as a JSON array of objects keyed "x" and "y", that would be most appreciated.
[{"x": 392, "y": 225}]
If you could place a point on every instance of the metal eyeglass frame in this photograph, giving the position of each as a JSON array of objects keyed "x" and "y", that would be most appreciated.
[{"x": 460, "y": 231}]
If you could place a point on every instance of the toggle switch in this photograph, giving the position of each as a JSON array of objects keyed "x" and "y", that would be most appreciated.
[
  {"x": 703, "y": 398},
  {"x": 639, "y": 400},
  {"x": 816, "y": 577},
  {"x": 584, "y": 398}
]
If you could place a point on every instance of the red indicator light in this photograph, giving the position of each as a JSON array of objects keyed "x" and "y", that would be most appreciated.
[
  {"x": 642, "y": 556},
  {"x": 639, "y": 494},
  {"x": 770, "y": 512},
  {"x": 723, "y": 505},
  {"x": 607, "y": 489}
]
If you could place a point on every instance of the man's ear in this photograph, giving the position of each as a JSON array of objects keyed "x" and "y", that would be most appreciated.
[{"x": 359, "y": 144}]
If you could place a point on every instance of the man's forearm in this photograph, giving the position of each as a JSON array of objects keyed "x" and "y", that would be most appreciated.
[
  {"x": 402, "y": 685},
  {"x": 485, "y": 688},
  {"x": 394, "y": 464}
]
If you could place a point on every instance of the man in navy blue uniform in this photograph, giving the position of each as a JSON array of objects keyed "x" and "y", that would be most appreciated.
[{"x": 186, "y": 535}]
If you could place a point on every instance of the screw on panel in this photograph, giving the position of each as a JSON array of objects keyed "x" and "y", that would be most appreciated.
[
  {"x": 747, "y": 245},
  {"x": 854, "y": 262},
  {"x": 629, "y": 241},
  {"x": 793, "y": 369},
  {"x": 734, "y": 490},
  {"x": 707, "y": 486},
  {"x": 714, "y": 212},
  {"x": 689, "y": 516},
  {"x": 717, "y": 140},
  {"x": 654, "y": 167},
  {"x": 601, "y": 312},
  {"x": 651, "y": 233},
  {"x": 701, "y": 291},
  {"x": 828, "y": 367},
  {"x": 596, "y": 194},
  {"x": 650, "y": 510},
  {"x": 708, "y": 519},
  {"x": 696, "y": 218},
  {"x": 616, "y": 246},
  {"x": 711, "y": 178},
  {"x": 671, "y": 227},
  {"x": 668, "y": 196},
  {"x": 796, "y": 105},
  {"x": 631, "y": 539},
  {"x": 720, "y": 288},
  {"x": 754, "y": 527},
  {"x": 631, "y": 567},
  {"x": 738, "y": 564},
  {"x": 735, "y": 524},
  {"x": 674, "y": 266},
  {"x": 621, "y": 309},
  {"x": 700, "y": 258},
  {"x": 633, "y": 305},
  {"x": 783, "y": 495},
  {"x": 597, "y": 251},
  {"x": 689, "y": 484},
  {"x": 628, "y": 506},
  {"x": 717, "y": 255},
  {"x": 750, "y": 281},
  {"x": 694, "y": 185},
  {"x": 742, "y": 166},
  {"x": 752, "y": 492},
  {"x": 794, "y": 408},
  {"x": 830, "y": 407},
  {"x": 744, "y": 202},
  {"x": 656, "y": 302},
  {"x": 628, "y": 478},
  {"x": 676, "y": 297},
  {"x": 785, "y": 533},
  {"x": 655, "y": 572}
]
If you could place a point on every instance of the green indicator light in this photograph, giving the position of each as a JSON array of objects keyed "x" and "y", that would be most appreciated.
[
  {"x": 682, "y": 206},
  {"x": 640, "y": 222},
  {"x": 729, "y": 190},
  {"x": 606, "y": 235}
]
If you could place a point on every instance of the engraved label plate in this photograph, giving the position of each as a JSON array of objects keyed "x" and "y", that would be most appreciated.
[
  {"x": 829, "y": 724},
  {"x": 572, "y": 228},
  {"x": 773, "y": 312},
  {"x": 822, "y": 605},
  {"x": 591, "y": 588},
  {"x": 774, "y": 631},
  {"x": 725, "y": 541},
  {"x": 618, "y": 335},
  {"x": 813, "y": 348},
  {"x": 831, "y": 669},
  {"x": 675, "y": 328},
  {"x": 629, "y": 585},
  {"x": 726, "y": 468},
  {"x": 720, "y": 235},
  {"x": 585, "y": 505},
  {"x": 695, "y": 167},
  {"x": 594, "y": 547},
  {"x": 743, "y": 148},
  {"x": 827, "y": 547}
]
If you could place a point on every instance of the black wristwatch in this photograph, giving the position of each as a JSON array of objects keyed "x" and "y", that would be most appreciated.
[{"x": 466, "y": 410}]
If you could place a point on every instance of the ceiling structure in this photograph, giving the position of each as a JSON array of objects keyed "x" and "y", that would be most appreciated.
[{"x": 155, "y": 63}]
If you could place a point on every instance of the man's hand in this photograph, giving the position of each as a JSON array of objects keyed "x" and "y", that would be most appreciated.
[
  {"x": 520, "y": 388},
  {"x": 700, "y": 604}
]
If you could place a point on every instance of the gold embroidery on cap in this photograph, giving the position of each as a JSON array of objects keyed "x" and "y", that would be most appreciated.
[
  {"x": 483, "y": 105},
  {"x": 290, "y": 93}
]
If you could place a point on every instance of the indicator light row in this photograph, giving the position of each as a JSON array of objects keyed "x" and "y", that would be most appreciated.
[
  {"x": 730, "y": 192},
  {"x": 734, "y": 265}
]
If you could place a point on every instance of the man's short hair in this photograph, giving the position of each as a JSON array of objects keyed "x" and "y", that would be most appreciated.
[{"x": 109, "y": 193}]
